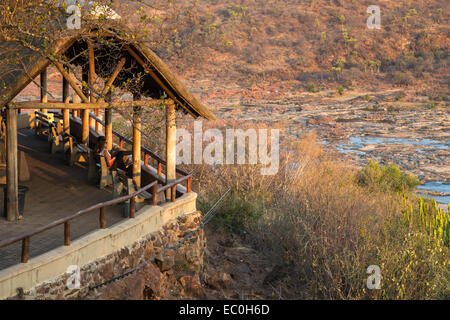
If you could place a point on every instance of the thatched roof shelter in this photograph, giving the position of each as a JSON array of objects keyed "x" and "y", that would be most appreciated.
[{"x": 92, "y": 60}]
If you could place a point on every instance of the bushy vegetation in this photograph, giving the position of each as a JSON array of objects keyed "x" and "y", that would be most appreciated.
[
  {"x": 427, "y": 217},
  {"x": 328, "y": 222},
  {"x": 388, "y": 179},
  {"x": 311, "y": 87}
]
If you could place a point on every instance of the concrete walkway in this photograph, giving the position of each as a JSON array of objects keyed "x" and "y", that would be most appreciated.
[{"x": 55, "y": 191}]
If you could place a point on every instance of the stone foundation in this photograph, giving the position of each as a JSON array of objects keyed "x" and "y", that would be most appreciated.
[{"x": 168, "y": 274}]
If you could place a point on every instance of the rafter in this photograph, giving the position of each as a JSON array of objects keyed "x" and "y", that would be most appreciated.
[
  {"x": 82, "y": 106},
  {"x": 111, "y": 80},
  {"x": 151, "y": 73},
  {"x": 72, "y": 83}
]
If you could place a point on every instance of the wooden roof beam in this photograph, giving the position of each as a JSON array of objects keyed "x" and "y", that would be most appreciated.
[
  {"x": 153, "y": 75},
  {"x": 91, "y": 68},
  {"x": 81, "y": 106},
  {"x": 72, "y": 83},
  {"x": 111, "y": 80}
]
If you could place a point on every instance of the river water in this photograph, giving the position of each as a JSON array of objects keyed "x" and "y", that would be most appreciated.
[{"x": 359, "y": 146}]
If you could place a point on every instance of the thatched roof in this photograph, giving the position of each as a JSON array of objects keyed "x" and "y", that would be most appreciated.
[{"x": 19, "y": 65}]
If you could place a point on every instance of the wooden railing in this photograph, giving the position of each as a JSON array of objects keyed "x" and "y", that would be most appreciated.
[
  {"x": 25, "y": 237},
  {"x": 155, "y": 191},
  {"x": 147, "y": 153}
]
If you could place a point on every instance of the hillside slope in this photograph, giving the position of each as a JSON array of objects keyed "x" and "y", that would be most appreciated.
[{"x": 309, "y": 43}]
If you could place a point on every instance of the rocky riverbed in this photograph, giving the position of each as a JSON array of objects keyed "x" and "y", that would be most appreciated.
[{"x": 391, "y": 126}]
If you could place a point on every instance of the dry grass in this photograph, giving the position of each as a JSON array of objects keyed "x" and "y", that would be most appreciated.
[{"x": 316, "y": 221}]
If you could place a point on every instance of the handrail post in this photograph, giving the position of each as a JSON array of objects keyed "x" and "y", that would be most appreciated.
[
  {"x": 189, "y": 184},
  {"x": 132, "y": 207},
  {"x": 67, "y": 233},
  {"x": 121, "y": 143},
  {"x": 25, "y": 249},
  {"x": 102, "y": 218},
  {"x": 159, "y": 168},
  {"x": 154, "y": 195},
  {"x": 173, "y": 193},
  {"x": 146, "y": 159}
]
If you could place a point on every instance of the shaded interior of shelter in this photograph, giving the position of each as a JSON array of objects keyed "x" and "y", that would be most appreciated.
[
  {"x": 56, "y": 190},
  {"x": 133, "y": 78}
]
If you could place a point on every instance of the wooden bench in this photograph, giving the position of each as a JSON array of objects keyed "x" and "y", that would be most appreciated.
[
  {"x": 99, "y": 172},
  {"x": 43, "y": 123},
  {"x": 75, "y": 152},
  {"x": 58, "y": 140}
]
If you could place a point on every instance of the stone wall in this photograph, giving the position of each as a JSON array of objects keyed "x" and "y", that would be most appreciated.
[{"x": 169, "y": 273}]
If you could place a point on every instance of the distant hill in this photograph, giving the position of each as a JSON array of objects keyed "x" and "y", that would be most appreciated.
[{"x": 314, "y": 42}]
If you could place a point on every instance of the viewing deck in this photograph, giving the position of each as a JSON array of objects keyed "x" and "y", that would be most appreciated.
[{"x": 56, "y": 190}]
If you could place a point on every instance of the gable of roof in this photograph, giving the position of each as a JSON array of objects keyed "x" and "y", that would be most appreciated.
[{"x": 22, "y": 64}]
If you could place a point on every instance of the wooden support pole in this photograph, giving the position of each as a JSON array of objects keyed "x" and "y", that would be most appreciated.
[
  {"x": 67, "y": 233},
  {"x": 85, "y": 127},
  {"x": 44, "y": 94},
  {"x": 76, "y": 101},
  {"x": 91, "y": 70},
  {"x": 173, "y": 193},
  {"x": 12, "y": 175},
  {"x": 171, "y": 133},
  {"x": 66, "y": 91},
  {"x": 159, "y": 169},
  {"x": 108, "y": 125},
  {"x": 91, "y": 82},
  {"x": 25, "y": 250},
  {"x": 85, "y": 113},
  {"x": 137, "y": 146},
  {"x": 66, "y": 112},
  {"x": 154, "y": 195},
  {"x": 66, "y": 121},
  {"x": 72, "y": 83},
  {"x": 102, "y": 218},
  {"x": 132, "y": 208}
]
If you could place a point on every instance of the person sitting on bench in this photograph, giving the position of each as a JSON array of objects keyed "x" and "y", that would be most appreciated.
[{"x": 114, "y": 160}]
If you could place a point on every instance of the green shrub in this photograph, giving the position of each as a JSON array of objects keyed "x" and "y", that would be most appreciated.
[
  {"x": 311, "y": 87},
  {"x": 367, "y": 97},
  {"x": 386, "y": 179},
  {"x": 427, "y": 217},
  {"x": 403, "y": 78},
  {"x": 236, "y": 211},
  {"x": 340, "y": 90}
]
